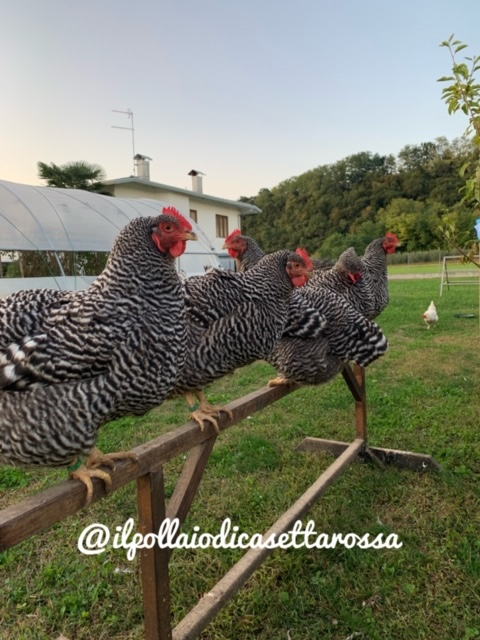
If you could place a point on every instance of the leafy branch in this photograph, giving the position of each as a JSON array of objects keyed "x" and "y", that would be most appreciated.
[
  {"x": 463, "y": 94},
  {"x": 448, "y": 232}
]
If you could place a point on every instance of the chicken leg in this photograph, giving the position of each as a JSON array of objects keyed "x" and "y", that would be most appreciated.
[
  {"x": 90, "y": 469},
  {"x": 276, "y": 382},
  {"x": 206, "y": 411}
]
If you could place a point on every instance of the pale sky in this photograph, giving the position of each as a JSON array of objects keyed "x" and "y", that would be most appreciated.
[{"x": 251, "y": 92}]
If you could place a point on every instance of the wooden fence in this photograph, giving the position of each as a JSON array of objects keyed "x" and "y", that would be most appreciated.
[{"x": 19, "y": 522}]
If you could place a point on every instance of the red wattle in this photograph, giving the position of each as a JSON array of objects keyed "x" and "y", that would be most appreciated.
[
  {"x": 299, "y": 281},
  {"x": 178, "y": 248}
]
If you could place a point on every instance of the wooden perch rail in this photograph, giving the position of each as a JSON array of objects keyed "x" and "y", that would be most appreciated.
[{"x": 19, "y": 522}]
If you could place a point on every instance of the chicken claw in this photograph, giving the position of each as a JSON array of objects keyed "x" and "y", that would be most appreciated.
[
  {"x": 97, "y": 458},
  {"x": 276, "y": 382},
  {"x": 206, "y": 412},
  {"x": 204, "y": 415},
  {"x": 90, "y": 469},
  {"x": 85, "y": 475}
]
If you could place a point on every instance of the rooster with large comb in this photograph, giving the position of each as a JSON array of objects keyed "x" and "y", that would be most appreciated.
[{"x": 72, "y": 361}]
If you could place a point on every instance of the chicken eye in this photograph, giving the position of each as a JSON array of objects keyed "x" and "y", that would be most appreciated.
[{"x": 168, "y": 227}]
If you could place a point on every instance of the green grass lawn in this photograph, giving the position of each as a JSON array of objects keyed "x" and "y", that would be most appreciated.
[
  {"x": 423, "y": 396},
  {"x": 430, "y": 267}
]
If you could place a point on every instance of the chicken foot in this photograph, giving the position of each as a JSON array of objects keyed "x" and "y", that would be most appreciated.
[
  {"x": 90, "y": 469},
  {"x": 206, "y": 411},
  {"x": 276, "y": 382}
]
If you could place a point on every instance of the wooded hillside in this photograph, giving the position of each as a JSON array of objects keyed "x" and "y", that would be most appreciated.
[{"x": 361, "y": 197}]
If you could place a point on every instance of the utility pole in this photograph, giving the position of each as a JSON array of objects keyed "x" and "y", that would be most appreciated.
[{"x": 129, "y": 113}]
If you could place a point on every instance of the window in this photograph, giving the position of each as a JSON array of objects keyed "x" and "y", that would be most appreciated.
[
  {"x": 222, "y": 226},
  {"x": 193, "y": 215}
]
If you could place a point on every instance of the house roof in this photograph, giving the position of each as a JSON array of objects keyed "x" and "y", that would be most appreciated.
[{"x": 244, "y": 207}]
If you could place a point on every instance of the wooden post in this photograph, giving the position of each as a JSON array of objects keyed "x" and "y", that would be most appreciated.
[
  {"x": 198, "y": 618},
  {"x": 187, "y": 485},
  {"x": 154, "y": 561},
  {"x": 360, "y": 404}
]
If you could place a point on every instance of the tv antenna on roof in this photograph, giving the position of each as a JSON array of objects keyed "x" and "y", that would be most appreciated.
[{"x": 129, "y": 113}]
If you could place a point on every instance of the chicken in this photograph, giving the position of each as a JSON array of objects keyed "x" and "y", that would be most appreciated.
[
  {"x": 363, "y": 282},
  {"x": 247, "y": 252},
  {"x": 374, "y": 262},
  {"x": 235, "y": 319},
  {"x": 339, "y": 277},
  {"x": 321, "y": 264},
  {"x": 343, "y": 277},
  {"x": 323, "y": 330},
  {"x": 430, "y": 316},
  {"x": 72, "y": 361},
  {"x": 244, "y": 249},
  {"x": 346, "y": 335},
  {"x": 301, "y": 319}
]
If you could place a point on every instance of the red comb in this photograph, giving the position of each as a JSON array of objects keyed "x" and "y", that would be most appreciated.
[
  {"x": 172, "y": 211},
  {"x": 304, "y": 254},
  {"x": 392, "y": 236},
  {"x": 235, "y": 232}
]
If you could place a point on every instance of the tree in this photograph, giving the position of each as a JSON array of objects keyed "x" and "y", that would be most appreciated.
[
  {"x": 73, "y": 175},
  {"x": 412, "y": 220},
  {"x": 464, "y": 94},
  {"x": 348, "y": 203}
]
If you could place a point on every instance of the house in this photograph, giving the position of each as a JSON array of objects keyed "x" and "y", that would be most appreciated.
[{"x": 216, "y": 217}]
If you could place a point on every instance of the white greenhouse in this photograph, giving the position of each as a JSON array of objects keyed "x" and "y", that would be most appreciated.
[{"x": 60, "y": 227}]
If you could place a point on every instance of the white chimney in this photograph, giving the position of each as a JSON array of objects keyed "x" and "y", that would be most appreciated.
[
  {"x": 143, "y": 166},
  {"x": 197, "y": 185}
]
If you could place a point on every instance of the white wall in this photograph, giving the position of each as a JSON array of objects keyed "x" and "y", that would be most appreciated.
[{"x": 206, "y": 211}]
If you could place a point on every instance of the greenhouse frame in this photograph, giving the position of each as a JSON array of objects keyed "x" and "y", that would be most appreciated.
[{"x": 64, "y": 223}]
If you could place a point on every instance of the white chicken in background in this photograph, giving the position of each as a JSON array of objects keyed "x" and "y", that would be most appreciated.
[{"x": 431, "y": 316}]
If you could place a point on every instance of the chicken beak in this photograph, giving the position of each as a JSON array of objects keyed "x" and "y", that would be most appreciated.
[{"x": 189, "y": 235}]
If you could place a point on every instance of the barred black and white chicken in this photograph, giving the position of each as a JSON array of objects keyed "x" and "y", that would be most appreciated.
[
  {"x": 346, "y": 335},
  {"x": 247, "y": 252},
  {"x": 363, "y": 282},
  {"x": 374, "y": 261},
  {"x": 314, "y": 352},
  {"x": 235, "y": 319},
  {"x": 72, "y": 361}
]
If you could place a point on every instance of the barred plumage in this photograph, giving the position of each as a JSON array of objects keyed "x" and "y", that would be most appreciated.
[
  {"x": 247, "y": 252},
  {"x": 349, "y": 279},
  {"x": 72, "y": 361},
  {"x": 244, "y": 249},
  {"x": 234, "y": 318},
  {"x": 375, "y": 263},
  {"x": 346, "y": 335},
  {"x": 323, "y": 330},
  {"x": 301, "y": 320},
  {"x": 361, "y": 281}
]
